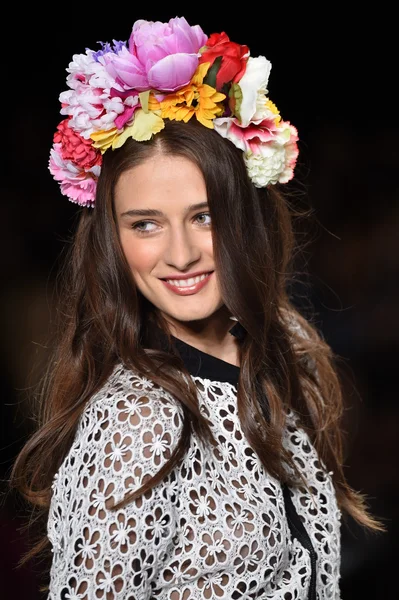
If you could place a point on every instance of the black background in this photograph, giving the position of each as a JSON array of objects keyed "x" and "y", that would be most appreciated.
[{"x": 334, "y": 71}]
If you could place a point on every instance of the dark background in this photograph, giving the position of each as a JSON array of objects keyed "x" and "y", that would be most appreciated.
[{"x": 333, "y": 76}]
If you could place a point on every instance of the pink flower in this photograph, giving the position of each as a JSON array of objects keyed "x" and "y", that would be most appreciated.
[
  {"x": 270, "y": 148},
  {"x": 249, "y": 137},
  {"x": 75, "y": 148},
  {"x": 291, "y": 155},
  {"x": 161, "y": 56},
  {"x": 131, "y": 103},
  {"x": 78, "y": 184},
  {"x": 88, "y": 101}
]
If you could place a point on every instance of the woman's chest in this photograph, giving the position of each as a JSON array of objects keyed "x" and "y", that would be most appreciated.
[
  {"x": 226, "y": 520},
  {"x": 227, "y": 509}
]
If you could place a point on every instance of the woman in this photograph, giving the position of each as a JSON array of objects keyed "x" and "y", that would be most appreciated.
[{"x": 190, "y": 425}]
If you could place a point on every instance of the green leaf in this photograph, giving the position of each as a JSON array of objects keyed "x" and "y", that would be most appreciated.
[{"x": 210, "y": 78}]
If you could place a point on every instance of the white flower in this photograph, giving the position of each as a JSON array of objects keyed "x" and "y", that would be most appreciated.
[
  {"x": 227, "y": 451},
  {"x": 159, "y": 446},
  {"x": 265, "y": 109},
  {"x": 142, "y": 382},
  {"x": 265, "y": 167},
  {"x": 135, "y": 409},
  {"x": 110, "y": 580},
  {"x": 80, "y": 65},
  {"x": 216, "y": 480},
  {"x": 88, "y": 547},
  {"x": 247, "y": 491},
  {"x": 217, "y": 546},
  {"x": 253, "y": 86},
  {"x": 88, "y": 101},
  {"x": 101, "y": 76},
  {"x": 202, "y": 505},
  {"x": 76, "y": 589},
  {"x": 117, "y": 451},
  {"x": 273, "y": 162}
]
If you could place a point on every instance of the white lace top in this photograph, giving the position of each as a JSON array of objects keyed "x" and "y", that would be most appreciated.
[{"x": 216, "y": 528}]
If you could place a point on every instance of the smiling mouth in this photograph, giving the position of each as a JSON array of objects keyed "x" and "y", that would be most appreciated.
[
  {"x": 186, "y": 287},
  {"x": 184, "y": 281}
]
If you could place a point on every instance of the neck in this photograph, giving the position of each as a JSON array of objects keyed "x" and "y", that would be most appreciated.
[{"x": 209, "y": 335}]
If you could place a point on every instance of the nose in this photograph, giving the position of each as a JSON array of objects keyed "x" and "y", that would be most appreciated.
[{"x": 181, "y": 249}]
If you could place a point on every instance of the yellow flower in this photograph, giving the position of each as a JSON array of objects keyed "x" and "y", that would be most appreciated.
[
  {"x": 196, "y": 98},
  {"x": 104, "y": 139},
  {"x": 273, "y": 109},
  {"x": 143, "y": 126}
]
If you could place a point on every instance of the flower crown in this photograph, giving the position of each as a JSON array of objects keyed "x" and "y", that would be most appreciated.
[{"x": 167, "y": 71}]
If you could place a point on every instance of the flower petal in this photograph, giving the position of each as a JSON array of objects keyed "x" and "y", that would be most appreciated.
[
  {"x": 255, "y": 78},
  {"x": 188, "y": 38},
  {"x": 104, "y": 139},
  {"x": 144, "y": 126},
  {"x": 129, "y": 69},
  {"x": 172, "y": 72}
]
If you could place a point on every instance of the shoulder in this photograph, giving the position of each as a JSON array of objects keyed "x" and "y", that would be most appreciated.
[
  {"x": 127, "y": 432},
  {"x": 131, "y": 402}
]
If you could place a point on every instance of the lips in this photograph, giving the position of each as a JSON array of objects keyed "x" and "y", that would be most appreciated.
[
  {"x": 188, "y": 276},
  {"x": 188, "y": 290}
]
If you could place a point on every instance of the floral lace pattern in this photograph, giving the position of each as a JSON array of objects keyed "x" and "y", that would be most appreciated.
[{"x": 214, "y": 529}]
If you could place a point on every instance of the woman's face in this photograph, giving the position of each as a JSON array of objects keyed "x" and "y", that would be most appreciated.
[{"x": 165, "y": 230}]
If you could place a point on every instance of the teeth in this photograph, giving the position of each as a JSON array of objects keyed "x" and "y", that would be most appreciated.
[{"x": 187, "y": 282}]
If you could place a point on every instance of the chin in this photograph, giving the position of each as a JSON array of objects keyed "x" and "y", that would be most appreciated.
[{"x": 187, "y": 314}]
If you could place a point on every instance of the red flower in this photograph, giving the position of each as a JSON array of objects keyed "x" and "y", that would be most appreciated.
[
  {"x": 75, "y": 148},
  {"x": 234, "y": 58}
]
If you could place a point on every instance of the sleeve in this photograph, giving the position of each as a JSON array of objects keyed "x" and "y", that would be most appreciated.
[{"x": 124, "y": 438}]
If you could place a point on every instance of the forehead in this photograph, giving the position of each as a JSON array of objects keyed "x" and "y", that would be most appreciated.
[{"x": 162, "y": 182}]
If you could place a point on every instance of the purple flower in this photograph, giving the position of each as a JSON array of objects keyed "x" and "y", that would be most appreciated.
[
  {"x": 161, "y": 56},
  {"x": 106, "y": 48}
]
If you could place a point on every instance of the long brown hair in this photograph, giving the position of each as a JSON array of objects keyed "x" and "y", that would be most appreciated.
[{"x": 103, "y": 319}]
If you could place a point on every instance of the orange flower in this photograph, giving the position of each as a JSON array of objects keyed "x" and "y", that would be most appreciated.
[{"x": 196, "y": 98}]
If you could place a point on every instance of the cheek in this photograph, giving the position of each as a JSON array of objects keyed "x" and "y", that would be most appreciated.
[
  {"x": 208, "y": 244},
  {"x": 141, "y": 256}
]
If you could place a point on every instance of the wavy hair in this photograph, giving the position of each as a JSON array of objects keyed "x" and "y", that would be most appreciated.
[{"x": 103, "y": 319}]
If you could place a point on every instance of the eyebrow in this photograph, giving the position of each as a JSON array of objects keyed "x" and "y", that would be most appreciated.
[{"x": 152, "y": 212}]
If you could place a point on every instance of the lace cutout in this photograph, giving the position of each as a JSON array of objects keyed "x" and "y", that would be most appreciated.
[{"x": 214, "y": 528}]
